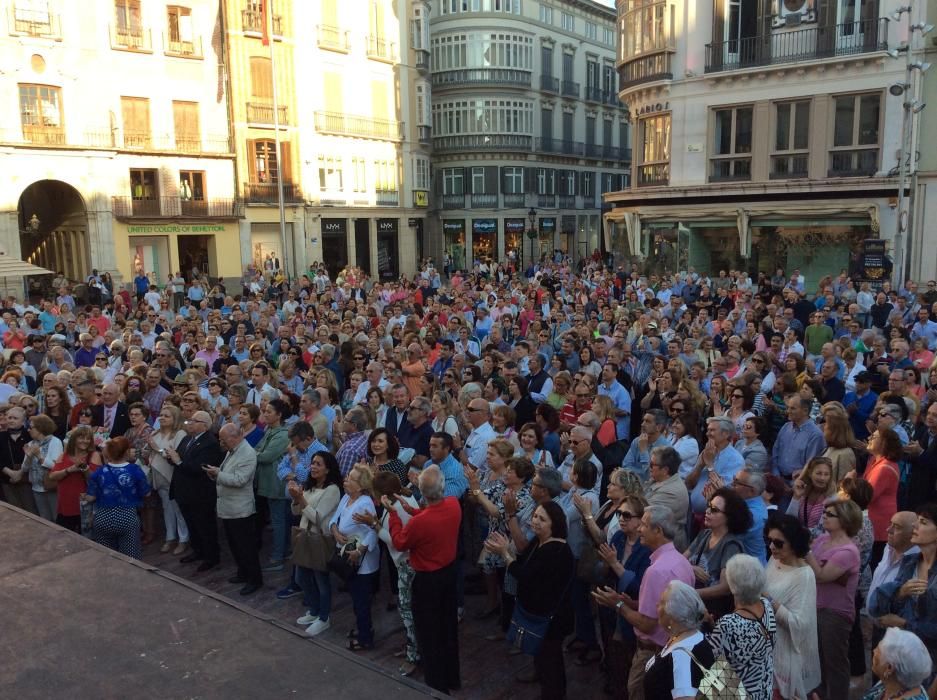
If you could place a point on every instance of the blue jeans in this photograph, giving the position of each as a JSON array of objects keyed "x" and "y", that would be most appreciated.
[
  {"x": 281, "y": 519},
  {"x": 317, "y": 591},
  {"x": 361, "y": 587}
]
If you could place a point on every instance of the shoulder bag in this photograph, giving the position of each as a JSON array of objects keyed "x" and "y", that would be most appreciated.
[
  {"x": 591, "y": 568},
  {"x": 527, "y": 631},
  {"x": 719, "y": 681},
  {"x": 312, "y": 550}
]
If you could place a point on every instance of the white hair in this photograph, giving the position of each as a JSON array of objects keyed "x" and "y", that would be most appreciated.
[
  {"x": 432, "y": 483},
  {"x": 684, "y": 605},
  {"x": 905, "y": 652},
  {"x": 746, "y": 578}
]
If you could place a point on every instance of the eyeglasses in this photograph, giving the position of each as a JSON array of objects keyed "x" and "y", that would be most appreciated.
[
  {"x": 193, "y": 421},
  {"x": 736, "y": 482},
  {"x": 100, "y": 359},
  {"x": 830, "y": 514},
  {"x": 414, "y": 408},
  {"x": 625, "y": 515},
  {"x": 714, "y": 510},
  {"x": 738, "y": 396},
  {"x": 777, "y": 544},
  {"x": 474, "y": 410},
  {"x": 758, "y": 360}
]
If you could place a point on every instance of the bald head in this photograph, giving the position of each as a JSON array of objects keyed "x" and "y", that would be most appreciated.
[
  {"x": 110, "y": 394},
  {"x": 230, "y": 436},
  {"x": 479, "y": 412},
  {"x": 198, "y": 423},
  {"x": 899, "y": 530}
]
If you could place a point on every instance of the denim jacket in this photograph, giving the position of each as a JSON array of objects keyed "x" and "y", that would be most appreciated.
[{"x": 919, "y": 612}]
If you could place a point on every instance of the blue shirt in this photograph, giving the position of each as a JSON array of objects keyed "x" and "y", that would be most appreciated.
[
  {"x": 795, "y": 447},
  {"x": 118, "y": 486},
  {"x": 622, "y": 401},
  {"x": 141, "y": 283},
  {"x": 864, "y": 407},
  {"x": 928, "y": 331},
  {"x": 639, "y": 462},
  {"x": 456, "y": 483},
  {"x": 301, "y": 468},
  {"x": 754, "y": 539},
  {"x": 727, "y": 464}
]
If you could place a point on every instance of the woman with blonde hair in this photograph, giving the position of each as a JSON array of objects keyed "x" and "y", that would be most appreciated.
[
  {"x": 837, "y": 432},
  {"x": 445, "y": 419},
  {"x": 603, "y": 407},
  {"x": 168, "y": 437},
  {"x": 562, "y": 385}
]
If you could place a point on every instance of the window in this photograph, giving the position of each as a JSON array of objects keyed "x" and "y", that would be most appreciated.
[
  {"x": 330, "y": 174},
  {"x": 654, "y": 166},
  {"x": 732, "y": 144},
  {"x": 144, "y": 192},
  {"x": 608, "y": 36},
  {"x": 644, "y": 27},
  {"x": 451, "y": 7},
  {"x": 32, "y": 17},
  {"x": 181, "y": 39},
  {"x": 41, "y": 114},
  {"x": 546, "y": 181},
  {"x": 482, "y": 50},
  {"x": 568, "y": 118},
  {"x": 566, "y": 184},
  {"x": 855, "y": 135},
  {"x": 265, "y": 164},
  {"x": 191, "y": 185},
  {"x": 546, "y": 124},
  {"x": 424, "y": 113},
  {"x": 128, "y": 18},
  {"x": 590, "y": 131},
  {"x": 359, "y": 179},
  {"x": 567, "y": 22},
  {"x": 385, "y": 173},
  {"x": 587, "y": 185},
  {"x": 421, "y": 173},
  {"x": 546, "y": 60},
  {"x": 478, "y": 180},
  {"x": 791, "y": 139},
  {"x": 607, "y": 126},
  {"x": 592, "y": 31},
  {"x": 482, "y": 117},
  {"x": 512, "y": 180},
  {"x": 609, "y": 81},
  {"x": 452, "y": 181},
  {"x": 569, "y": 63},
  {"x": 135, "y": 112},
  {"x": 185, "y": 123},
  {"x": 546, "y": 14}
]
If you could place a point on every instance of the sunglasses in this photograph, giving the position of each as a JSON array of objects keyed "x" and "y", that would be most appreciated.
[
  {"x": 738, "y": 396},
  {"x": 830, "y": 514},
  {"x": 625, "y": 515},
  {"x": 777, "y": 544},
  {"x": 713, "y": 510}
]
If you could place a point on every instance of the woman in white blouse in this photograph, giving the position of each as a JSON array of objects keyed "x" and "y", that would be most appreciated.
[
  {"x": 363, "y": 552},
  {"x": 168, "y": 437}
]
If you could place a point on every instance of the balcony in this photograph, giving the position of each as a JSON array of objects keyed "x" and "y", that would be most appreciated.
[
  {"x": 653, "y": 174},
  {"x": 41, "y": 24},
  {"x": 453, "y": 201},
  {"x": 617, "y": 154},
  {"x": 568, "y": 148},
  {"x": 387, "y": 198},
  {"x": 266, "y": 193},
  {"x": 422, "y": 61},
  {"x": 488, "y": 201},
  {"x": 593, "y": 150},
  {"x": 730, "y": 169},
  {"x": 183, "y": 49},
  {"x": 253, "y": 21},
  {"x": 131, "y": 39},
  {"x": 610, "y": 97},
  {"x": 262, "y": 113},
  {"x": 567, "y": 201},
  {"x": 550, "y": 84},
  {"x": 569, "y": 88},
  {"x": 340, "y": 124},
  {"x": 502, "y": 77},
  {"x": 594, "y": 94},
  {"x": 515, "y": 201},
  {"x": 645, "y": 69},
  {"x": 546, "y": 201},
  {"x": 856, "y": 162},
  {"x": 787, "y": 166},
  {"x": 482, "y": 142},
  {"x": 193, "y": 143},
  {"x": 171, "y": 207},
  {"x": 137, "y": 140},
  {"x": 333, "y": 39},
  {"x": 425, "y": 134},
  {"x": 811, "y": 44},
  {"x": 380, "y": 49},
  {"x": 44, "y": 135}
]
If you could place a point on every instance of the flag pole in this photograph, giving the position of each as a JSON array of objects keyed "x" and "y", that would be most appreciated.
[{"x": 267, "y": 38}]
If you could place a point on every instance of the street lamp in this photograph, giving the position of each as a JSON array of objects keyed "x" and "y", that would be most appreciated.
[{"x": 532, "y": 231}]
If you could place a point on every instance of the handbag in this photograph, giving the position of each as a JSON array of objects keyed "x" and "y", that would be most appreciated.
[
  {"x": 312, "y": 550},
  {"x": 591, "y": 568},
  {"x": 719, "y": 681},
  {"x": 340, "y": 564}
]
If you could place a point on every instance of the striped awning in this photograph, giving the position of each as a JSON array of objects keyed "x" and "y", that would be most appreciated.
[{"x": 13, "y": 267}]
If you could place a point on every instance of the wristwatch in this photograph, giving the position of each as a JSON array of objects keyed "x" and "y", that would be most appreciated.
[
  {"x": 619, "y": 605},
  {"x": 476, "y": 492}
]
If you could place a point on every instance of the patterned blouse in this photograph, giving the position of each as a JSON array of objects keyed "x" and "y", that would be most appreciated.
[
  {"x": 494, "y": 492},
  {"x": 748, "y": 646}
]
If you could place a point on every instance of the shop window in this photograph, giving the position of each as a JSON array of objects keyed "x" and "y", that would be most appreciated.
[
  {"x": 731, "y": 157},
  {"x": 856, "y": 133},
  {"x": 191, "y": 185},
  {"x": 791, "y": 139},
  {"x": 41, "y": 114},
  {"x": 144, "y": 192}
]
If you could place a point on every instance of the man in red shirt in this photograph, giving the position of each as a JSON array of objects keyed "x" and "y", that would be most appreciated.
[{"x": 431, "y": 537}]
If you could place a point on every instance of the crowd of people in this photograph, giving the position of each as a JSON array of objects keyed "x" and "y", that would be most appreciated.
[{"x": 679, "y": 480}]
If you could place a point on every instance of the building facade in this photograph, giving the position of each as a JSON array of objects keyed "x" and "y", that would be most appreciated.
[
  {"x": 765, "y": 134},
  {"x": 116, "y": 147},
  {"x": 527, "y": 130}
]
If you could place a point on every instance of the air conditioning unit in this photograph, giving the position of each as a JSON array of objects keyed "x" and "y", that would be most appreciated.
[{"x": 791, "y": 13}]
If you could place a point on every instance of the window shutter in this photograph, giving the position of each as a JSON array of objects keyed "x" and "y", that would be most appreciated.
[
  {"x": 284, "y": 164},
  {"x": 330, "y": 13},
  {"x": 334, "y": 96},
  {"x": 826, "y": 26},
  {"x": 379, "y": 99},
  {"x": 185, "y": 121},
  {"x": 763, "y": 28},
  {"x": 491, "y": 179},
  {"x": 437, "y": 183},
  {"x": 261, "y": 78},
  {"x": 530, "y": 179},
  {"x": 504, "y": 180},
  {"x": 719, "y": 32}
]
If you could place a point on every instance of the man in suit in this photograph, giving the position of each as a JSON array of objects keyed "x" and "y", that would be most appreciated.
[
  {"x": 193, "y": 489},
  {"x": 234, "y": 481},
  {"x": 922, "y": 453},
  {"x": 116, "y": 419}
]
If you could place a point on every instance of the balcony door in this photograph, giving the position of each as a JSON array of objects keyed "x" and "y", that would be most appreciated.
[{"x": 742, "y": 28}]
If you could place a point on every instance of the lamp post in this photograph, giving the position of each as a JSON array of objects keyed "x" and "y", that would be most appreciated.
[{"x": 532, "y": 231}]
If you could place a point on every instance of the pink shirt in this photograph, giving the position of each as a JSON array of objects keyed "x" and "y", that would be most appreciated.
[
  {"x": 834, "y": 595},
  {"x": 667, "y": 564}
]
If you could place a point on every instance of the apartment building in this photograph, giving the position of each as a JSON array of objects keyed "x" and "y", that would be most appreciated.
[
  {"x": 116, "y": 151},
  {"x": 527, "y": 129},
  {"x": 765, "y": 133}
]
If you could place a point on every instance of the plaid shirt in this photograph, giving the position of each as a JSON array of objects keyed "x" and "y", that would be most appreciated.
[{"x": 352, "y": 451}]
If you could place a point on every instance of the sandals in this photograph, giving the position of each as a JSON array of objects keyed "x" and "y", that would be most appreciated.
[
  {"x": 407, "y": 669},
  {"x": 355, "y": 645}
]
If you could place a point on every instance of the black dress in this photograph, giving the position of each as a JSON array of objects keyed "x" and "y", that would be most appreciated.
[
  {"x": 543, "y": 573},
  {"x": 672, "y": 673}
]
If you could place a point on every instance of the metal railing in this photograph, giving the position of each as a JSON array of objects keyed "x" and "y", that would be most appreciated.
[
  {"x": 131, "y": 38},
  {"x": 45, "y": 135},
  {"x": 132, "y": 207},
  {"x": 183, "y": 49},
  {"x": 570, "y": 88},
  {"x": 422, "y": 61},
  {"x": 341, "y": 124},
  {"x": 645, "y": 69},
  {"x": 510, "y": 77},
  {"x": 266, "y": 192},
  {"x": 549, "y": 84},
  {"x": 856, "y": 162},
  {"x": 848, "y": 39},
  {"x": 653, "y": 174},
  {"x": 730, "y": 169},
  {"x": 594, "y": 94},
  {"x": 333, "y": 38},
  {"x": 253, "y": 21},
  {"x": 137, "y": 140},
  {"x": 546, "y": 201},
  {"x": 484, "y": 200},
  {"x": 387, "y": 198},
  {"x": 515, "y": 201},
  {"x": 610, "y": 97},
  {"x": 569, "y": 148},
  {"x": 567, "y": 201},
  {"x": 483, "y": 142},
  {"x": 452, "y": 201},
  {"x": 425, "y": 135},
  {"x": 38, "y": 23},
  {"x": 594, "y": 150},
  {"x": 262, "y": 113},
  {"x": 381, "y": 49},
  {"x": 789, "y": 166}
]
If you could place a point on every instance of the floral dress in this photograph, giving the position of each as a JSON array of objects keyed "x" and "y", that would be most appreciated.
[{"x": 494, "y": 492}]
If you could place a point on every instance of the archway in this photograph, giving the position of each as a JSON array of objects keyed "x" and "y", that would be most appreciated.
[{"x": 53, "y": 225}]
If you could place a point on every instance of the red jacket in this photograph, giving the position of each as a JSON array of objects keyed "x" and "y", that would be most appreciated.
[{"x": 431, "y": 536}]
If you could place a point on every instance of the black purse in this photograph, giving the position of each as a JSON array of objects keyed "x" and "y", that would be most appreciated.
[
  {"x": 340, "y": 564},
  {"x": 527, "y": 631}
]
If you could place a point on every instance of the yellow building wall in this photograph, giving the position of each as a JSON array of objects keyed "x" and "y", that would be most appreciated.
[{"x": 160, "y": 244}]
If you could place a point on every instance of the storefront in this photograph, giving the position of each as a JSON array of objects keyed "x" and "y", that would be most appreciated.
[
  {"x": 164, "y": 249},
  {"x": 454, "y": 235},
  {"x": 388, "y": 248},
  {"x": 267, "y": 247},
  {"x": 547, "y": 233},
  {"x": 335, "y": 245},
  {"x": 484, "y": 239},
  {"x": 514, "y": 242}
]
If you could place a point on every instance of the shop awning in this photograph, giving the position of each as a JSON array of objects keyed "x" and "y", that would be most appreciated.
[{"x": 12, "y": 267}]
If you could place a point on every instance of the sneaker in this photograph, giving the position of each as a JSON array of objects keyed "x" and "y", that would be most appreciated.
[
  {"x": 288, "y": 592},
  {"x": 272, "y": 566},
  {"x": 306, "y": 619},
  {"x": 317, "y": 627}
]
